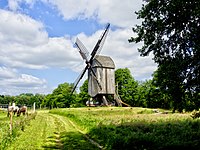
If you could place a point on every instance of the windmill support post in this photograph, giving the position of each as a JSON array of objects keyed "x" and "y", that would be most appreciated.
[{"x": 105, "y": 102}]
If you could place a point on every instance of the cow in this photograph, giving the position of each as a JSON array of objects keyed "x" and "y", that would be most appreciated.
[
  {"x": 13, "y": 109},
  {"x": 23, "y": 110}
]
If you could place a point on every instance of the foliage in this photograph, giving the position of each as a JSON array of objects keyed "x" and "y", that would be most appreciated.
[
  {"x": 151, "y": 96},
  {"x": 126, "y": 86},
  {"x": 83, "y": 95},
  {"x": 170, "y": 30},
  {"x": 61, "y": 97},
  {"x": 23, "y": 99}
]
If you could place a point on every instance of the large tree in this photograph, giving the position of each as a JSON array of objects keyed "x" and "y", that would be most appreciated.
[
  {"x": 170, "y": 30},
  {"x": 126, "y": 86},
  {"x": 61, "y": 97}
]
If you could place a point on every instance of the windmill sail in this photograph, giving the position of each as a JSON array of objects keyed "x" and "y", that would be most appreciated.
[
  {"x": 82, "y": 49},
  {"x": 79, "y": 78},
  {"x": 95, "y": 77},
  {"x": 100, "y": 42}
]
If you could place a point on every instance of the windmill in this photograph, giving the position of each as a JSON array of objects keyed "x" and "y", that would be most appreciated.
[{"x": 101, "y": 76}]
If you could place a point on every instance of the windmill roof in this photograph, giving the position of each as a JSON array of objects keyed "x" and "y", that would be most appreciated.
[{"x": 103, "y": 61}]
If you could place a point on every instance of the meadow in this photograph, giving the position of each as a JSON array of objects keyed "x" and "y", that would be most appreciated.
[
  {"x": 136, "y": 128},
  {"x": 102, "y": 128}
]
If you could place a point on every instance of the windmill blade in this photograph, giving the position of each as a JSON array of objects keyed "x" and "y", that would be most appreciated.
[
  {"x": 99, "y": 42},
  {"x": 79, "y": 78},
  {"x": 82, "y": 49},
  {"x": 102, "y": 43},
  {"x": 95, "y": 77}
]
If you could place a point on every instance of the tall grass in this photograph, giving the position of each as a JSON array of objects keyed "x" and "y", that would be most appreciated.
[
  {"x": 136, "y": 128},
  {"x": 19, "y": 124}
]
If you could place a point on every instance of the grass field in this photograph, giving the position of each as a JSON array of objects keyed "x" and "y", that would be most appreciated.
[{"x": 103, "y": 128}]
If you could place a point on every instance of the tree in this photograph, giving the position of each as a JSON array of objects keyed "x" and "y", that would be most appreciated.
[
  {"x": 127, "y": 86},
  {"x": 61, "y": 97},
  {"x": 84, "y": 96},
  {"x": 37, "y": 99},
  {"x": 24, "y": 99},
  {"x": 3, "y": 100},
  {"x": 170, "y": 30},
  {"x": 47, "y": 101}
]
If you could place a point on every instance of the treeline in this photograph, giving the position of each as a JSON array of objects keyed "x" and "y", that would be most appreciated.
[
  {"x": 23, "y": 99},
  {"x": 152, "y": 94},
  {"x": 146, "y": 94}
]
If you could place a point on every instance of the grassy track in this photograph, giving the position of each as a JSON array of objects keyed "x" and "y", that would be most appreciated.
[{"x": 50, "y": 131}]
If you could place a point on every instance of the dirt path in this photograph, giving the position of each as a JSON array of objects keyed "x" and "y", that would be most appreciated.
[{"x": 50, "y": 131}]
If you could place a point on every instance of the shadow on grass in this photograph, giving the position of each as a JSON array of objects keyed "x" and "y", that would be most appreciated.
[
  {"x": 69, "y": 141},
  {"x": 139, "y": 135}
]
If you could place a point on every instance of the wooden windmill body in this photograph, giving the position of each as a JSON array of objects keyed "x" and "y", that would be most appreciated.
[
  {"x": 104, "y": 69},
  {"x": 101, "y": 71}
]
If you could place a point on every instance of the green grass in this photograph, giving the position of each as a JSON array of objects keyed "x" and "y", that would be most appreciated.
[
  {"x": 47, "y": 131},
  {"x": 136, "y": 128},
  {"x": 19, "y": 125},
  {"x": 111, "y": 127}
]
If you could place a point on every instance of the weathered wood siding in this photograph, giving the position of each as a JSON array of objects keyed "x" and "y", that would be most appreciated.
[{"x": 104, "y": 68}]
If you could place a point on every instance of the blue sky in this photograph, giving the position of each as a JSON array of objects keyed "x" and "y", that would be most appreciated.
[{"x": 37, "y": 38}]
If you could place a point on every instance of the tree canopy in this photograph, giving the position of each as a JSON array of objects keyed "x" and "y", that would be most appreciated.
[
  {"x": 83, "y": 95},
  {"x": 61, "y": 97},
  {"x": 170, "y": 30},
  {"x": 127, "y": 86}
]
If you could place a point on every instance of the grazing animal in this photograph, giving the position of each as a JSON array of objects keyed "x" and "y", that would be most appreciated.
[
  {"x": 23, "y": 110},
  {"x": 13, "y": 109}
]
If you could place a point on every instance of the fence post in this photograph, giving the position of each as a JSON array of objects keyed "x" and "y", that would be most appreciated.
[
  {"x": 34, "y": 107},
  {"x": 11, "y": 119}
]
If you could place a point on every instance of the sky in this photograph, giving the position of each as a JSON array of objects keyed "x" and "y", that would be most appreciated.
[{"x": 37, "y": 50}]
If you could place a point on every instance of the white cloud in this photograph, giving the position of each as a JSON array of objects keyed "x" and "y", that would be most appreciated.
[
  {"x": 21, "y": 29},
  {"x": 11, "y": 81},
  {"x": 117, "y": 12},
  {"x": 25, "y": 80},
  {"x": 7, "y": 73},
  {"x": 57, "y": 52},
  {"x": 15, "y": 4},
  {"x": 25, "y": 43}
]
